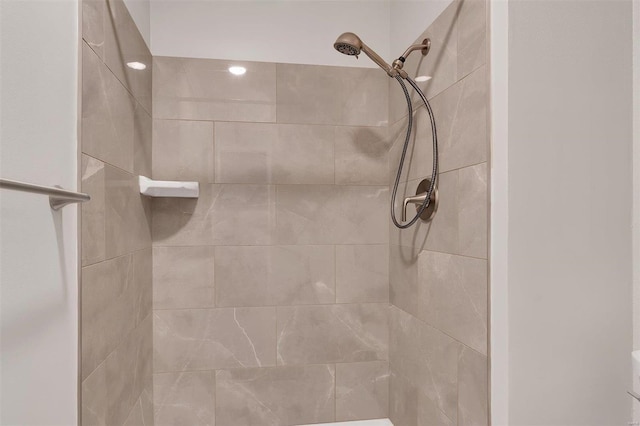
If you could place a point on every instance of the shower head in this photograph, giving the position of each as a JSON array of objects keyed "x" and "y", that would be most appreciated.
[{"x": 350, "y": 44}]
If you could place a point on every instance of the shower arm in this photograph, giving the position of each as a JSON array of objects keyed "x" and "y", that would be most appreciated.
[{"x": 425, "y": 46}]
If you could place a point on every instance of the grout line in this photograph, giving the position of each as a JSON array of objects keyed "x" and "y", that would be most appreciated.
[{"x": 272, "y": 307}]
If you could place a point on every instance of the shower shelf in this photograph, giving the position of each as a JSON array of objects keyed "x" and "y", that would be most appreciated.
[{"x": 168, "y": 188}]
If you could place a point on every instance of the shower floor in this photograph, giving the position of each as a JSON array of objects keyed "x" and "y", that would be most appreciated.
[{"x": 374, "y": 422}]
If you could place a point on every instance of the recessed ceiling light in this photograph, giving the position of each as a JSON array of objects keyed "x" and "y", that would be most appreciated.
[
  {"x": 236, "y": 70},
  {"x": 422, "y": 78},
  {"x": 136, "y": 65}
]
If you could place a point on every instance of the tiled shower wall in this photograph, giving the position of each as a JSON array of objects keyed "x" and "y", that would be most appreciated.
[
  {"x": 116, "y": 323},
  {"x": 270, "y": 294},
  {"x": 438, "y": 271}
]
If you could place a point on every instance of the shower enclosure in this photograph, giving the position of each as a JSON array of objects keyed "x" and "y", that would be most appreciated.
[{"x": 283, "y": 294}]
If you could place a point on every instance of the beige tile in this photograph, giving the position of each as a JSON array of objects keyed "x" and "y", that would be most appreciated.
[
  {"x": 184, "y": 398},
  {"x": 94, "y": 398},
  {"x": 472, "y": 27},
  {"x": 334, "y": 333},
  {"x": 203, "y": 89},
  {"x": 452, "y": 294},
  {"x": 204, "y": 339},
  {"x": 323, "y": 214},
  {"x": 183, "y": 150},
  {"x": 472, "y": 389},
  {"x": 223, "y": 215},
  {"x": 183, "y": 277},
  {"x": 461, "y": 120},
  {"x": 127, "y": 215},
  {"x": 418, "y": 161},
  {"x": 289, "y": 395},
  {"x": 403, "y": 277},
  {"x": 93, "y": 24},
  {"x": 312, "y": 94},
  {"x": 276, "y": 275},
  {"x": 128, "y": 371},
  {"x": 142, "y": 412},
  {"x": 143, "y": 279},
  {"x": 272, "y": 153},
  {"x": 472, "y": 215},
  {"x": 124, "y": 44},
  {"x": 427, "y": 358},
  {"x": 361, "y": 155},
  {"x": 93, "y": 212},
  {"x": 107, "y": 114},
  {"x": 109, "y": 301},
  {"x": 408, "y": 405},
  {"x": 362, "y": 391},
  {"x": 142, "y": 142},
  {"x": 362, "y": 273}
]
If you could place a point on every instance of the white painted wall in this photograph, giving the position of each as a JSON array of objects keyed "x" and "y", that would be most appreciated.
[
  {"x": 569, "y": 208},
  {"x": 38, "y": 247},
  {"x": 140, "y": 11},
  {"x": 299, "y": 31},
  {"x": 408, "y": 20}
]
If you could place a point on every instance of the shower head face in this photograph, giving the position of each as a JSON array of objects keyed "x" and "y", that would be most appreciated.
[{"x": 348, "y": 44}]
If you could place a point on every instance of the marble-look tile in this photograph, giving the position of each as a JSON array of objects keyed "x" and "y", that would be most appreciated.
[
  {"x": 274, "y": 275},
  {"x": 472, "y": 38},
  {"x": 93, "y": 212},
  {"x": 362, "y": 391},
  {"x": 427, "y": 358},
  {"x": 184, "y": 398},
  {"x": 93, "y": 25},
  {"x": 142, "y": 412},
  {"x": 142, "y": 142},
  {"x": 333, "y": 333},
  {"x": 409, "y": 406},
  {"x": 311, "y": 94},
  {"x": 473, "y": 386},
  {"x": 127, "y": 214},
  {"x": 107, "y": 114},
  {"x": 124, "y": 44},
  {"x": 183, "y": 277},
  {"x": 223, "y": 215},
  {"x": 362, "y": 273},
  {"x": 452, "y": 296},
  {"x": 440, "y": 63},
  {"x": 461, "y": 114},
  {"x": 472, "y": 214},
  {"x": 143, "y": 280},
  {"x": 205, "y": 339},
  {"x": 277, "y": 396},
  {"x": 108, "y": 309},
  {"x": 441, "y": 233},
  {"x": 94, "y": 398},
  {"x": 327, "y": 214},
  {"x": 128, "y": 372},
  {"x": 183, "y": 150},
  {"x": 361, "y": 155},
  {"x": 204, "y": 89},
  {"x": 274, "y": 153}
]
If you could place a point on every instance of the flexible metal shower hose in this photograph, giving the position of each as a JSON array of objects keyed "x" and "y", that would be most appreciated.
[{"x": 434, "y": 137}]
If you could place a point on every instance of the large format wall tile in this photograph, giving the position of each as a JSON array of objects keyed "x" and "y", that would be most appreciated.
[
  {"x": 427, "y": 358},
  {"x": 183, "y": 150},
  {"x": 184, "y": 398},
  {"x": 334, "y": 333},
  {"x": 362, "y": 390},
  {"x": 323, "y": 214},
  {"x": 142, "y": 412},
  {"x": 223, "y": 215},
  {"x": 472, "y": 39},
  {"x": 204, "y": 89},
  {"x": 183, "y": 277},
  {"x": 107, "y": 114},
  {"x": 142, "y": 142},
  {"x": 312, "y": 94},
  {"x": 205, "y": 339},
  {"x": 93, "y": 212},
  {"x": 93, "y": 25},
  {"x": 408, "y": 405},
  {"x": 274, "y": 275},
  {"x": 274, "y": 153},
  {"x": 127, "y": 213},
  {"x": 277, "y": 396},
  {"x": 473, "y": 211},
  {"x": 361, "y": 155},
  {"x": 473, "y": 388},
  {"x": 362, "y": 273}
]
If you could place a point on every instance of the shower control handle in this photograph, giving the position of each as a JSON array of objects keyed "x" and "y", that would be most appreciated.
[{"x": 418, "y": 199}]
